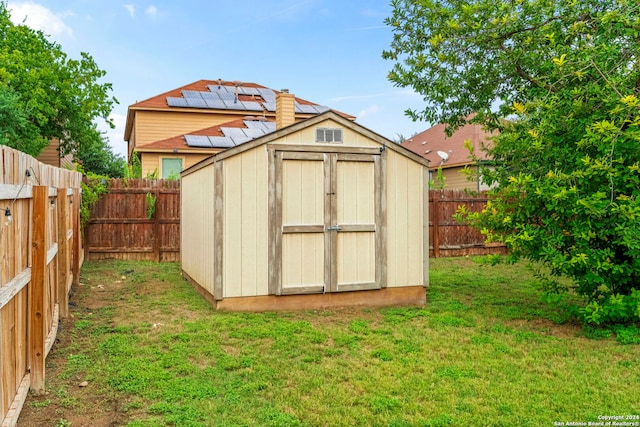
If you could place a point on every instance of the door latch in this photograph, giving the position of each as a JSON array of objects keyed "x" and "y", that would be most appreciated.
[{"x": 334, "y": 228}]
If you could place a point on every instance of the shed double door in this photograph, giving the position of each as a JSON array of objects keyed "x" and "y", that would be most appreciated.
[{"x": 329, "y": 222}]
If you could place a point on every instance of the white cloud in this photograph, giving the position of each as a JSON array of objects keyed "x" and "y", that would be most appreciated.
[
  {"x": 372, "y": 109},
  {"x": 151, "y": 11},
  {"x": 131, "y": 9},
  {"x": 39, "y": 17}
]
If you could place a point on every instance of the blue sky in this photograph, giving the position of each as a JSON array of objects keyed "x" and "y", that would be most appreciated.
[{"x": 325, "y": 51}]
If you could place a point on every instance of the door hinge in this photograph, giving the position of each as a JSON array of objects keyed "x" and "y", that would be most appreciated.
[{"x": 333, "y": 228}]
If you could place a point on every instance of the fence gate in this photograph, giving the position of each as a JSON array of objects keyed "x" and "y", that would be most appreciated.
[{"x": 328, "y": 222}]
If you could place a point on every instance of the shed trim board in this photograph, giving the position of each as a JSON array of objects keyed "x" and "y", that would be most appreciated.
[{"x": 325, "y": 232}]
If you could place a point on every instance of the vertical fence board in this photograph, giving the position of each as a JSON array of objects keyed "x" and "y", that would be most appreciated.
[
  {"x": 63, "y": 253},
  {"x": 37, "y": 292},
  {"x": 77, "y": 238}
]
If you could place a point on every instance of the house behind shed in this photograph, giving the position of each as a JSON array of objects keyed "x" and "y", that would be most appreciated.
[{"x": 320, "y": 213}]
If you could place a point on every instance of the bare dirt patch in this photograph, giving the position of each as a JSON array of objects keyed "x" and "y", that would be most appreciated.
[{"x": 73, "y": 400}]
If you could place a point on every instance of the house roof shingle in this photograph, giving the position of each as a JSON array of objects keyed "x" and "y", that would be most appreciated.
[{"x": 428, "y": 143}]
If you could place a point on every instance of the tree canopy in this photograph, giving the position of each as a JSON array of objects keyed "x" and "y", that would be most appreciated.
[
  {"x": 44, "y": 94},
  {"x": 560, "y": 81}
]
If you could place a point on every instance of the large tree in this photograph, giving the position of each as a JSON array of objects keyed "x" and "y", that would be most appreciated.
[
  {"x": 44, "y": 94},
  {"x": 560, "y": 81}
]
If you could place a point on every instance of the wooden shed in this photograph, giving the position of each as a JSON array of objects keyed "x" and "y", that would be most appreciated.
[{"x": 320, "y": 213}]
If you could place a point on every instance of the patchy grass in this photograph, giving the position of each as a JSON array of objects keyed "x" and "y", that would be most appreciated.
[{"x": 483, "y": 351}]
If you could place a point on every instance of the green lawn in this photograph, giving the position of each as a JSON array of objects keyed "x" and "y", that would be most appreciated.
[{"x": 483, "y": 351}]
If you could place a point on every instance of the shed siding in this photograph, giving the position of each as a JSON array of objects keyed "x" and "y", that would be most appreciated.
[
  {"x": 405, "y": 204},
  {"x": 245, "y": 195},
  {"x": 197, "y": 227}
]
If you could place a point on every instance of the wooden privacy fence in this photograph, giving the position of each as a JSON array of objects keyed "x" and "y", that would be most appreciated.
[
  {"x": 40, "y": 252},
  {"x": 137, "y": 219},
  {"x": 448, "y": 237},
  {"x": 122, "y": 225}
]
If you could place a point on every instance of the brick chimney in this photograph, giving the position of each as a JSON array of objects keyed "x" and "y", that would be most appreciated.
[{"x": 285, "y": 109}]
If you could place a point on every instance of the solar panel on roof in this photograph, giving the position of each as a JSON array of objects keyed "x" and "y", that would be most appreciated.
[
  {"x": 227, "y": 96},
  {"x": 270, "y": 106},
  {"x": 255, "y": 132},
  {"x": 196, "y": 102},
  {"x": 209, "y": 95},
  {"x": 191, "y": 94},
  {"x": 252, "y": 106},
  {"x": 248, "y": 90},
  {"x": 223, "y": 89},
  {"x": 307, "y": 109},
  {"x": 271, "y": 126},
  {"x": 240, "y": 139},
  {"x": 322, "y": 108},
  {"x": 267, "y": 94},
  {"x": 231, "y": 105},
  {"x": 232, "y": 131},
  {"x": 176, "y": 102},
  {"x": 198, "y": 141},
  {"x": 253, "y": 124},
  {"x": 215, "y": 103},
  {"x": 221, "y": 141}
]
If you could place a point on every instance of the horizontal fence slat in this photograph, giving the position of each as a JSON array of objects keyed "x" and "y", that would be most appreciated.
[
  {"x": 133, "y": 221},
  {"x": 15, "y": 192},
  {"x": 15, "y": 285},
  {"x": 51, "y": 253}
]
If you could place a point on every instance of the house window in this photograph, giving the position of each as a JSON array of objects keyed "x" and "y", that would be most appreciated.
[
  {"x": 171, "y": 168},
  {"x": 330, "y": 135}
]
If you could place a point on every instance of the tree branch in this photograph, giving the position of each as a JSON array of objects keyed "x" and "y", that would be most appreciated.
[{"x": 522, "y": 73}]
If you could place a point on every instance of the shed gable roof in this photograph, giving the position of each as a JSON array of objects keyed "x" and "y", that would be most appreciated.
[{"x": 296, "y": 127}]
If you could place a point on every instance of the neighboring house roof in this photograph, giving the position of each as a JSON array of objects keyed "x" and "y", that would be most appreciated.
[
  {"x": 433, "y": 140},
  {"x": 220, "y": 96}
]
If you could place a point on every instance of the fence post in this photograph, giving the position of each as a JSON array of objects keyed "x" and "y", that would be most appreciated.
[
  {"x": 63, "y": 252},
  {"x": 37, "y": 290},
  {"x": 156, "y": 226},
  {"x": 436, "y": 224},
  {"x": 77, "y": 237}
]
